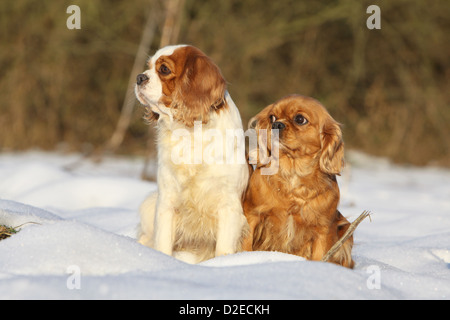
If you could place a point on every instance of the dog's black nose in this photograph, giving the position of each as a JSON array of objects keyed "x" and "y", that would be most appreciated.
[
  {"x": 141, "y": 78},
  {"x": 278, "y": 125}
]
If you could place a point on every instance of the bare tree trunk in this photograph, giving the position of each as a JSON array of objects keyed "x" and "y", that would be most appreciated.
[
  {"x": 171, "y": 27},
  {"x": 169, "y": 35},
  {"x": 129, "y": 102}
]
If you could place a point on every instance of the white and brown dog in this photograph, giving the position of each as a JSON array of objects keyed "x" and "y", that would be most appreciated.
[{"x": 197, "y": 212}]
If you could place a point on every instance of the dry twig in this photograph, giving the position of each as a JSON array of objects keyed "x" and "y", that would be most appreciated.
[{"x": 346, "y": 235}]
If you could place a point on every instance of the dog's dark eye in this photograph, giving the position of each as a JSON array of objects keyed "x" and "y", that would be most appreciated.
[
  {"x": 164, "y": 70},
  {"x": 300, "y": 120}
]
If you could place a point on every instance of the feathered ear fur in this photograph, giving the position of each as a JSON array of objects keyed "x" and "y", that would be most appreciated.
[
  {"x": 332, "y": 156},
  {"x": 199, "y": 88},
  {"x": 252, "y": 123},
  {"x": 150, "y": 116},
  {"x": 260, "y": 152}
]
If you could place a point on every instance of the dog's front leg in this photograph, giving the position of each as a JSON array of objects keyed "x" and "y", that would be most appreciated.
[
  {"x": 320, "y": 245},
  {"x": 247, "y": 241},
  {"x": 164, "y": 233},
  {"x": 231, "y": 223}
]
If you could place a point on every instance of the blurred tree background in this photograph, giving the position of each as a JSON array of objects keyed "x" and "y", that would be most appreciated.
[{"x": 389, "y": 88}]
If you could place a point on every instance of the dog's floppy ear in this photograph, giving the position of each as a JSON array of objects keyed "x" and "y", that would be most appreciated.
[
  {"x": 332, "y": 157},
  {"x": 260, "y": 135},
  {"x": 252, "y": 156},
  {"x": 252, "y": 123},
  {"x": 200, "y": 88},
  {"x": 150, "y": 116}
]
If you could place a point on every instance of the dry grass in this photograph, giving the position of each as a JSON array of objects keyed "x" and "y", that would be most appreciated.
[{"x": 6, "y": 232}]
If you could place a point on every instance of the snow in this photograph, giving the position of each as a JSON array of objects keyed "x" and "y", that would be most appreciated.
[{"x": 82, "y": 244}]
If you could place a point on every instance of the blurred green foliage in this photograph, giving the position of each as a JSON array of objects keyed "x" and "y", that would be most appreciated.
[{"x": 389, "y": 87}]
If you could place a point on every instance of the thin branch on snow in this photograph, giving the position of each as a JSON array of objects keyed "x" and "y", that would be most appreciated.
[{"x": 347, "y": 235}]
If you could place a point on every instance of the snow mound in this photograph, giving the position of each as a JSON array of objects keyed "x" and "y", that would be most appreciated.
[
  {"x": 78, "y": 228},
  {"x": 248, "y": 258}
]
